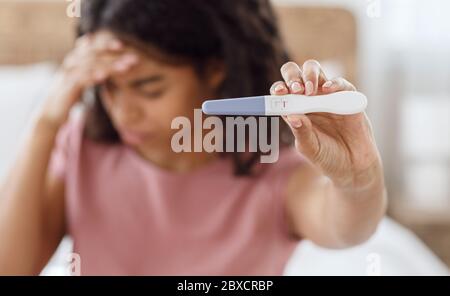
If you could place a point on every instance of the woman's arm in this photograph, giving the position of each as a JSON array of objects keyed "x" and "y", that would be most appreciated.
[
  {"x": 31, "y": 206},
  {"x": 333, "y": 216},
  {"x": 31, "y": 199},
  {"x": 338, "y": 199}
]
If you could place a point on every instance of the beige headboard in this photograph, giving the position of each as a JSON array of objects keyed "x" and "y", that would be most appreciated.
[
  {"x": 321, "y": 33},
  {"x": 34, "y": 31},
  {"x": 40, "y": 30}
]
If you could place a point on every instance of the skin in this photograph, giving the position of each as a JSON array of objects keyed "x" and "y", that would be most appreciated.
[{"x": 336, "y": 200}]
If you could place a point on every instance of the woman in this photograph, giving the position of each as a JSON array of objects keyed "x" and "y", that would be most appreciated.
[{"x": 132, "y": 205}]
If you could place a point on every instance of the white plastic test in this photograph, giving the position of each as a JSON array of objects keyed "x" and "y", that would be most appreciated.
[{"x": 341, "y": 103}]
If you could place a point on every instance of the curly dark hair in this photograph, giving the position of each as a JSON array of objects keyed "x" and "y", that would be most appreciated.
[{"x": 241, "y": 33}]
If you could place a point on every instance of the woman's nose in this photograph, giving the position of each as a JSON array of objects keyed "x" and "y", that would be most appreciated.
[{"x": 127, "y": 112}]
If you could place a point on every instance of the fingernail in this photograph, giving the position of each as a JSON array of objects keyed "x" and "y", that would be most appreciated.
[
  {"x": 120, "y": 66},
  {"x": 99, "y": 76},
  {"x": 294, "y": 121},
  {"x": 327, "y": 84},
  {"x": 309, "y": 88},
  {"x": 129, "y": 59},
  {"x": 296, "y": 87},
  {"x": 115, "y": 45},
  {"x": 279, "y": 88}
]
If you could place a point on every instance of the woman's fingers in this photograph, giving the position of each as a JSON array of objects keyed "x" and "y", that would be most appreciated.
[
  {"x": 294, "y": 78},
  {"x": 292, "y": 75},
  {"x": 302, "y": 129},
  {"x": 336, "y": 85},
  {"x": 313, "y": 76},
  {"x": 105, "y": 41},
  {"x": 89, "y": 46},
  {"x": 125, "y": 62},
  {"x": 98, "y": 44},
  {"x": 109, "y": 56},
  {"x": 99, "y": 69},
  {"x": 99, "y": 56},
  {"x": 94, "y": 69},
  {"x": 305, "y": 80},
  {"x": 279, "y": 88},
  {"x": 310, "y": 80}
]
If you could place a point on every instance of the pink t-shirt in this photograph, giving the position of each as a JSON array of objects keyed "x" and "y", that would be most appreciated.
[{"x": 130, "y": 217}]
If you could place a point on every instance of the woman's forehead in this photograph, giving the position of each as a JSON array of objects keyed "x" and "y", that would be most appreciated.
[{"x": 151, "y": 71}]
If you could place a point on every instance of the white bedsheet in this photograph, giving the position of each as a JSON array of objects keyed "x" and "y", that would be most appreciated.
[{"x": 393, "y": 250}]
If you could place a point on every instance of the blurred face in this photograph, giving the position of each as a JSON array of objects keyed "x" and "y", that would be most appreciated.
[{"x": 143, "y": 102}]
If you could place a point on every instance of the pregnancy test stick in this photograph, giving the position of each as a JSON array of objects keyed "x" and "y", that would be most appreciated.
[{"x": 341, "y": 103}]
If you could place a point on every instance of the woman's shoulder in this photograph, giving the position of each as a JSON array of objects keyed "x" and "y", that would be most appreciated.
[
  {"x": 72, "y": 137},
  {"x": 67, "y": 145},
  {"x": 71, "y": 132}
]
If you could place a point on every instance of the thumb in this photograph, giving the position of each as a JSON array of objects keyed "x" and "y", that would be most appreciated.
[{"x": 302, "y": 128}]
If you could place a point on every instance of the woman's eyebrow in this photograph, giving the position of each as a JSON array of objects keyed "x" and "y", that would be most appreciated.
[{"x": 146, "y": 80}]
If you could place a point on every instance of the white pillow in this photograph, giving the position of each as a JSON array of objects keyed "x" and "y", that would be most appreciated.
[{"x": 22, "y": 88}]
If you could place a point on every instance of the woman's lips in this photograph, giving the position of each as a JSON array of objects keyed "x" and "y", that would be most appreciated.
[{"x": 133, "y": 137}]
